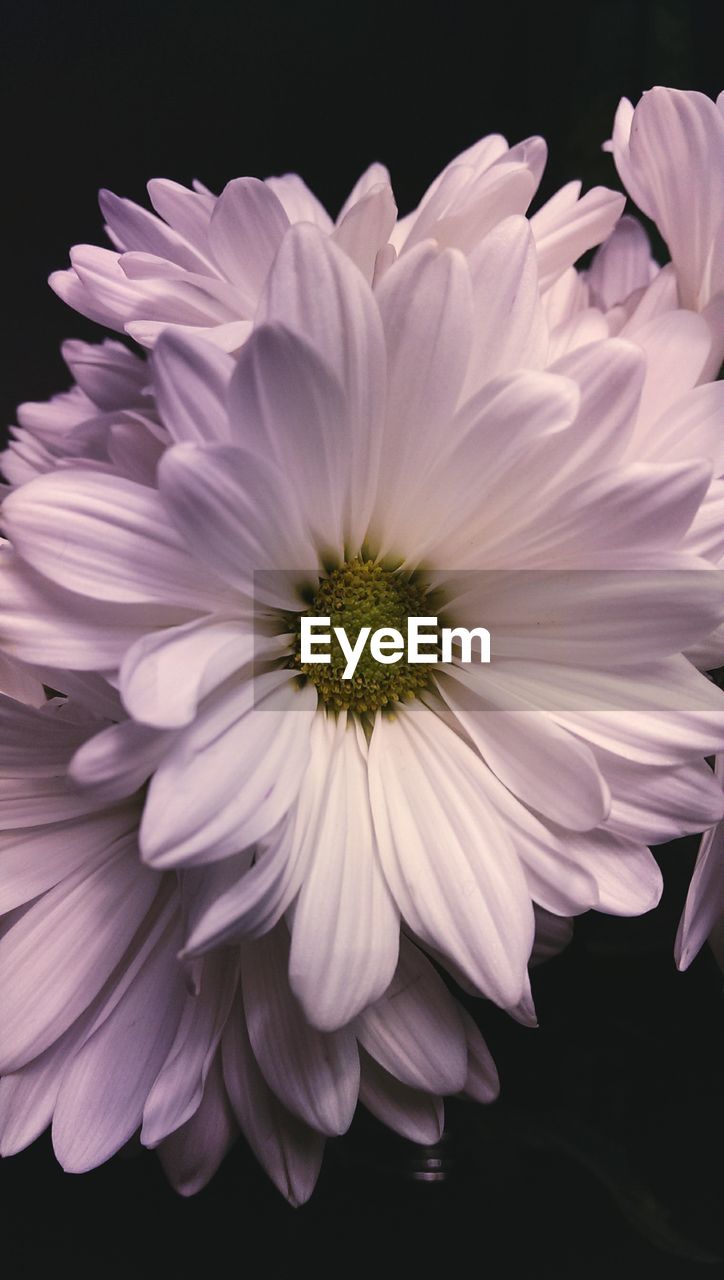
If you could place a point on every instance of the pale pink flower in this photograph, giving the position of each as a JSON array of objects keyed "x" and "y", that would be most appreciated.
[
  {"x": 389, "y": 423},
  {"x": 199, "y": 262},
  {"x": 105, "y": 1032},
  {"x": 106, "y": 421}
]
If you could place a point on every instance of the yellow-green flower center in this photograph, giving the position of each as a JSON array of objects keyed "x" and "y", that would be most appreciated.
[{"x": 361, "y": 593}]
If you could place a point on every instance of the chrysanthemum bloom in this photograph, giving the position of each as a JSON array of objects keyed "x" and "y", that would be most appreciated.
[
  {"x": 199, "y": 262},
  {"x": 669, "y": 152},
  {"x": 365, "y": 447},
  {"x": 105, "y": 1032},
  {"x": 106, "y": 421}
]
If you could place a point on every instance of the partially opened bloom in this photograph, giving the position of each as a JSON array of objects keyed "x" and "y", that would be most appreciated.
[
  {"x": 669, "y": 152},
  {"x": 106, "y": 421},
  {"x": 199, "y": 262},
  {"x": 374, "y": 454},
  {"x": 105, "y": 1032}
]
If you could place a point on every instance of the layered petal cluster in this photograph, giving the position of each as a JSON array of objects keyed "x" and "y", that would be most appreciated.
[
  {"x": 198, "y": 262},
  {"x": 662, "y": 150},
  {"x": 226, "y": 880},
  {"x": 390, "y": 424},
  {"x": 106, "y": 1031},
  {"x": 106, "y": 422}
]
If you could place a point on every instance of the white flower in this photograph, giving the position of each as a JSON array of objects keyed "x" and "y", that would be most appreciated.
[
  {"x": 107, "y": 420},
  {"x": 360, "y": 429},
  {"x": 104, "y": 1031},
  {"x": 199, "y": 262}
]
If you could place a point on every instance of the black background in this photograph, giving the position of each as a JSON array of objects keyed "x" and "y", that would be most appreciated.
[{"x": 604, "y": 1155}]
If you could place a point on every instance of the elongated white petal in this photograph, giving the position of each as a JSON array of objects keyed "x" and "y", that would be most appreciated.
[
  {"x": 566, "y": 226},
  {"x": 622, "y": 264},
  {"x": 345, "y": 928},
  {"x": 415, "y": 1030},
  {"x": 481, "y": 1083},
  {"x": 36, "y": 742},
  {"x": 180, "y": 1086},
  {"x": 510, "y": 330},
  {"x": 704, "y": 905},
  {"x": 34, "y": 859},
  {"x": 289, "y": 1150},
  {"x": 188, "y": 212},
  {"x": 56, "y": 958},
  {"x": 660, "y": 149},
  {"x": 426, "y": 311},
  {"x": 315, "y": 1074},
  {"x": 550, "y": 770},
  {"x": 676, "y": 346},
  {"x": 285, "y": 403},
  {"x": 314, "y": 290},
  {"x": 190, "y": 378},
  {"x": 103, "y": 1093},
  {"x": 428, "y": 793},
  {"x": 44, "y": 622},
  {"x": 227, "y": 500},
  {"x": 118, "y": 543},
  {"x": 191, "y": 1154},
  {"x": 299, "y": 203},
  {"x": 166, "y": 674},
  {"x": 414, "y": 1114},
  {"x": 366, "y": 227},
  {"x": 197, "y": 809},
  {"x": 116, "y": 762},
  {"x": 234, "y": 899},
  {"x": 136, "y": 228},
  {"x": 246, "y": 228},
  {"x": 654, "y": 805}
]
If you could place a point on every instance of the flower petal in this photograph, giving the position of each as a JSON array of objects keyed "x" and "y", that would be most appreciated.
[
  {"x": 457, "y": 889},
  {"x": 313, "y": 1073},
  {"x": 190, "y": 380},
  {"x": 414, "y": 1114},
  {"x": 289, "y": 1150},
  {"x": 198, "y": 809},
  {"x": 102, "y": 1096},
  {"x": 54, "y": 961},
  {"x": 191, "y": 1154},
  {"x": 117, "y": 542},
  {"x": 246, "y": 229},
  {"x": 345, "y": 931},
  {"x": 180, "y": 1086}
]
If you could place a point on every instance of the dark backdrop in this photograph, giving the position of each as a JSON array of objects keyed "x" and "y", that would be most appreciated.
[{"x": 604, "y": 1154}]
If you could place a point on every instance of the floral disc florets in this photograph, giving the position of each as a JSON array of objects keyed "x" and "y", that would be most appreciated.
[{"x": 361, "y": 593}]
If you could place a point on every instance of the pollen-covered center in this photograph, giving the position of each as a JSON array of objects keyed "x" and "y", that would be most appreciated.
[{"x": 360, "y": 594}]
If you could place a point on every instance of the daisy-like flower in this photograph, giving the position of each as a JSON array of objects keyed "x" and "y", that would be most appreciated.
[
  {"x": 107, "y": 421},
  {"x": 199, "y": 262},
  {"x": 105, "y": 1032},
  {"x": 371, "y": 457}
]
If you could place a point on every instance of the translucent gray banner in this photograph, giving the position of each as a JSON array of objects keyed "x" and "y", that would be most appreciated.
[{"x": 563, "y": 641}]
